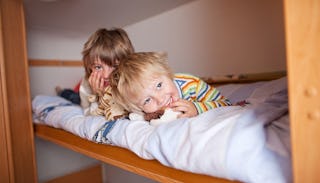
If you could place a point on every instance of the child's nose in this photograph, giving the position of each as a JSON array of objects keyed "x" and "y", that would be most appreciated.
[{"x": 159, "y": 99}]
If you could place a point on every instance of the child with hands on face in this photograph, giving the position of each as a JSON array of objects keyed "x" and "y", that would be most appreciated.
[
  {"x": 101, "y": 54},
  {"x": 99, "y": 78},
  {"x": 144, "y": 84}
]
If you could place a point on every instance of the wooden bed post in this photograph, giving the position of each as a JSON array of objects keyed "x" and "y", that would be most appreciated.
[
  {"x": 17, "y": 155},
  {"x": 302, "y": 19}
]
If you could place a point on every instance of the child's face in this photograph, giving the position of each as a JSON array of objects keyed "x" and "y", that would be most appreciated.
[
  {"x": 158, "y": 94},
  {"x": 101, "y": 71}
]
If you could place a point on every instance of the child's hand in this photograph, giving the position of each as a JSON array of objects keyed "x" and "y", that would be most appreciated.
[
  {"x": 96, "y": 82},
  {"x": 186, "y": 108}
]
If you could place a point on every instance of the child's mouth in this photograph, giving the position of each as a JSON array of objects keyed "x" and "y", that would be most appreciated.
[{"x": 106, "y": 83}]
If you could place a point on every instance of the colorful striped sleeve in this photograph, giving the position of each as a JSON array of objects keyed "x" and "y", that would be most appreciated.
[
  {"x": 208, "y": 97},
  {"x": 203, "y": 95}
]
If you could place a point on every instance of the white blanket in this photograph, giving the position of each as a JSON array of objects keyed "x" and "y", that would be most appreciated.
[
  {"x": 60, "y": 113},
  {"x": 249, "y": 144}
]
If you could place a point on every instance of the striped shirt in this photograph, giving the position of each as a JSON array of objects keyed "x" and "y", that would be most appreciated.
[{"x": 203, "y": 95}]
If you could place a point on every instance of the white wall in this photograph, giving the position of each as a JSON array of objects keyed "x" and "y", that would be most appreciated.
[
  {"x": 112, "y": 174},
  {"x": 204, "y": 37},
  {"x": 44, "y": 44},
  {"x": 214, "y": 37}
]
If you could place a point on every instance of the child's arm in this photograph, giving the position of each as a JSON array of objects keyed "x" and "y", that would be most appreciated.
[
  {"x": 198, "y": 96},
  {"x": 208, "y": 97}
]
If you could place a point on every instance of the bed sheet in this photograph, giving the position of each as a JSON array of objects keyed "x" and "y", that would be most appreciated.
[{"x": 248, "y": 144}]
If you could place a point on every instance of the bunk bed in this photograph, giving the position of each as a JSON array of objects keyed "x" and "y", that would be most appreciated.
[
  {"x": 302, "y": 43},
  {"x": 55, "y": 121},
  {"x": 303, "y": 87}
]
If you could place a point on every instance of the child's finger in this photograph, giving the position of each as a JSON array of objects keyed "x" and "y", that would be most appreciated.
[
  {"x": 181, "y": 109},
  {"x": 177, "y": 103},
  {"x": 101, "y": 83}
]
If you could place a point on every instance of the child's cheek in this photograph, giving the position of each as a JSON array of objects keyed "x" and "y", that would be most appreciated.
[
  {"x": 94, "y": 73},
  {"x": 175, "y": 98}
]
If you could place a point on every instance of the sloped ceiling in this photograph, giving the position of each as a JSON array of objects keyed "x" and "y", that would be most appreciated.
[{"x": 84, "y": 16}]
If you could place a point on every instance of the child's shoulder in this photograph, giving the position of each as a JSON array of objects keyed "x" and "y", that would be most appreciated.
[{"x": 185, "y": 76}]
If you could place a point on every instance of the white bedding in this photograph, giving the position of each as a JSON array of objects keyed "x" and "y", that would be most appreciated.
[{"x": 249, "y": 144}]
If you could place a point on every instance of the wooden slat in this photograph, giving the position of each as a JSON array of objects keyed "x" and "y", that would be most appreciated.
[
  {"x": 121, "y": 157},
  {"x": 245, "y": 78},
  {"x": 217, "y": 80},
  {"x": 17, "y": 104},
  {"x": 6, "y": 165},
  {"x": 55, "y": 63},
  {"x": 303, "y": 61}
]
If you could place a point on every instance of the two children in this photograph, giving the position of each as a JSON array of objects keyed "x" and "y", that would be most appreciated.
[{"x": 144, "y": 83}]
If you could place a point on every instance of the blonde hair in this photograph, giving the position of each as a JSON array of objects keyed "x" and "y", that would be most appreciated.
[
  {"x": 109, "y": 46},
  {"x": 128, "y": 79}
]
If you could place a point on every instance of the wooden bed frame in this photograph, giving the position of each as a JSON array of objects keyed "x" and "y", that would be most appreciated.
[
  {"x": 124, "y": 158},
  {"x": 120, "y": 157},
  {"x": 302, "y": 25}
]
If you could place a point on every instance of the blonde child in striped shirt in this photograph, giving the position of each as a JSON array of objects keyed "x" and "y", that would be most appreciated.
[{"x": 144, "y": 83}]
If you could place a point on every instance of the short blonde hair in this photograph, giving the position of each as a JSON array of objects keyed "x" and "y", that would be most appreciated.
[
  {"x": 107, "y": 45},
  {"x": 128, "y": 79}
]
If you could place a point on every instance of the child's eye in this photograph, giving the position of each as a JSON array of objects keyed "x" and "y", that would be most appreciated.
[
  {"x": 159, "y": 85},
  {"x": 97, "y": 67},
  {"x": 147, "y": 101}
]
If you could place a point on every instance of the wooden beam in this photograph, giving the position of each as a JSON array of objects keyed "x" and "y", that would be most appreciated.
[
  {"x": 302, "y": 20},
  {"x": 55, "y": 63},
  {"x": 16, "y": 98},
  {"x": 244, "y": 78}
]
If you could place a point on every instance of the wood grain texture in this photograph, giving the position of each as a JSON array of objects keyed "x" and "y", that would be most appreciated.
[
  {"x": 17, "y": 104},
  {"x": 6, "y": 165},
  {"x": 302, "y": 20},
  {"x": 55, "y": 63}
]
